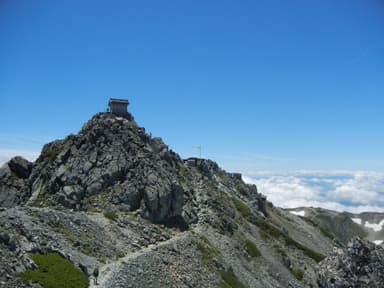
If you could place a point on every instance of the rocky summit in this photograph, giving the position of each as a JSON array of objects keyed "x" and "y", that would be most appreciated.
[{"x": 114, "y": 207}]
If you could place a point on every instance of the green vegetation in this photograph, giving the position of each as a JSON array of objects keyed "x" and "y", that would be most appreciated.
[
  {"x": 299, "y": 274},
  {"x": 325, "y": 232},
  {"x": 110, "y": 215},
  {"x": 243, "y": 191},
  {"x": 341, "y": 226},
  {"x": 52, "y": 153},
  {"x": 273, "y": 231},
  {"x": 263, "y": 234},
  {"x": 205, "y": 240},
  {"x": 55, "y": 272},
  {"x": 268, "y": 229},
  {"x": 207, "y": 250},
  {"x": 280, "y": 251},
  {"x": 229, "y": 280},
  {"x": 307, "y": 251},
  {"x": 241, "y": 207},
  {"x": 251, "y": 249}
]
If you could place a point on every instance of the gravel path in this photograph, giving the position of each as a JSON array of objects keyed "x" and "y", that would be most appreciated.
[{"x": 108, "y": 272}]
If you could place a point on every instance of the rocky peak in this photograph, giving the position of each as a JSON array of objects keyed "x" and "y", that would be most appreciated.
[{"x": 111, "y": 164}]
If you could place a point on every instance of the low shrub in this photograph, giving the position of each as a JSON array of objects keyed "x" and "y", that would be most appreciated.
[
  {"x": 229, "y": 280},
  {"x": 243, "y": 191},
  {"x": 110, "y": 215},
  {"x": 52, "y": 153},
  {"x": 325, "y": 232},
  {"x": 241, "y": 207},
  {"x": 299, "y": 274},
  {"x": 251, "y": 249},
  {"x": 275, "y": 232},
  {"x": 207, "y": 250}
]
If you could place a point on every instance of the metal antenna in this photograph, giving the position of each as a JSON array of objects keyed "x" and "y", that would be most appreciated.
[{"x": 198, "y": 147}]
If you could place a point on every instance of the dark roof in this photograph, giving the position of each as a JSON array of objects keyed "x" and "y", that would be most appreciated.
[{"x": 121, "y": 101}]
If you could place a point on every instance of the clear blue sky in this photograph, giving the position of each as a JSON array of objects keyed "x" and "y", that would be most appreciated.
[{"x": 261, "y": 85}]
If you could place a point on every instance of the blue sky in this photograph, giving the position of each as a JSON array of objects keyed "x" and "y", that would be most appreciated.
[{"x": 261, "y": 85}]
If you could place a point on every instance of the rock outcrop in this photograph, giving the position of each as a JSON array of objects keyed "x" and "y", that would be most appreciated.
[
  {"x": 112, "y": 163},
  {"x": 360, "y": 265}
]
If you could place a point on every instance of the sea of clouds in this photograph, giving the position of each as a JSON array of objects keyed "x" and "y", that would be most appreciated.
[{"x": 352, "y": 191}]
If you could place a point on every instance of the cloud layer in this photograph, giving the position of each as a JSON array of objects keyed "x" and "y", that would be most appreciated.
[{"x": 353, "y": 191}]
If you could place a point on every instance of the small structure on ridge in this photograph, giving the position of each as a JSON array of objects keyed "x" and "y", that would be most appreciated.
[{"x": 118, "y": 106}]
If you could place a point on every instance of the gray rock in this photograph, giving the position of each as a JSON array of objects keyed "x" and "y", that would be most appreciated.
[
  {"x": 13, "y": 190},
  {"x": 361, "y": 265},
  {"x": 20, "y": 166}
]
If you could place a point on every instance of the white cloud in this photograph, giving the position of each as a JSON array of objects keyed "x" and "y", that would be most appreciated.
[
  {"x": 7, "y": 154},
  {"x": 353, "y": 191}
]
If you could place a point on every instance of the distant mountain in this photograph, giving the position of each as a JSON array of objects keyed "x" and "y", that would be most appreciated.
[
  {"x": 114, "y": 204},
  {"x": 343, "y": 226}
]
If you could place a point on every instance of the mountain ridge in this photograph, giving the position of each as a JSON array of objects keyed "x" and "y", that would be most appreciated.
[{"x": 113, "y": 199}]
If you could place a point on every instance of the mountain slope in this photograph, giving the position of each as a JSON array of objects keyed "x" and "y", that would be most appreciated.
[{"x": 116, "y": 199}]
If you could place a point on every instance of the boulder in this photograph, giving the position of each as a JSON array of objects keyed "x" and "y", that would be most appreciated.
[
  {"x": 14, "y": 191},
  {"x": 20, "y": 166}
]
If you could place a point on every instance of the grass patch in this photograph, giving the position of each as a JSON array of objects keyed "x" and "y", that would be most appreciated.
[
  {"x": 55, "y": 272},
  {"x": 268, "y": 228},
  {"x": 207, "y": 250},
  {"x": 243, "y": 191},
  {"x": 281, "y": 252},
  {"x": 263, "y": 234},
  {"x": 325, "y": 232},
  {"x": 241, "y": 207},
  {"x": 307, "y": 251},
  {"x": 52, "y": 153},
  {"x": 110, "y": 215},
  {"x": 275, "y": 232},
  {"x": 229, "y": 280},
  {"x": 206, "y": 240},
  {"x": 251, "y": 249},
  {"x": 299, "y": 274}
]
